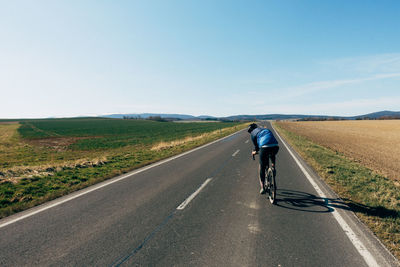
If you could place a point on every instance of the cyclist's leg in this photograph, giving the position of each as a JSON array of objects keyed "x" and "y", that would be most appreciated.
[
  {"x": 263, "y": 165},
  {"x": 273, "y": 151}
]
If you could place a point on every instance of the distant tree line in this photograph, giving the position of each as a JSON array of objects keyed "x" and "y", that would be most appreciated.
[
  {"x": 380, "y": 118},
  {"x": 132, "y": 117},
  {"x": 342, "y": 119},
  {"x": 151, "y": 118},
  {"x": 322, "y": 119},
  {"x": 161, "y": 119}
]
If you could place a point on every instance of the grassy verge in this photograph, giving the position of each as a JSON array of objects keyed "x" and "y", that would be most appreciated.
[
  {"x": 375, "y": 199},
  {"x": 43, "y": 160}
]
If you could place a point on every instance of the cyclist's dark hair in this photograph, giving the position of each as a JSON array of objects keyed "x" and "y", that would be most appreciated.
[{"x": 252, "y": 127}]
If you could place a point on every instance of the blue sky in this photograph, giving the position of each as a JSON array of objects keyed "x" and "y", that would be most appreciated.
[{"x": 70, "y": 58}]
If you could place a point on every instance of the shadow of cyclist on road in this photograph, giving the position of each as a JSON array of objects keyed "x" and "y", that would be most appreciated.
[{"x": 306, "y": 202}]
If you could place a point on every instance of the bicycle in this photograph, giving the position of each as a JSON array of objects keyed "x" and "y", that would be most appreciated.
[{"x": 270, "y": 183}]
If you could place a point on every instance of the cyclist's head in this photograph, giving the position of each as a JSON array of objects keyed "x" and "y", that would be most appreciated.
[{"x": 252, "y": 127}]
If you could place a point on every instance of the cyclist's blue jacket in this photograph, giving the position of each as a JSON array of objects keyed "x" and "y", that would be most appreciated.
[{"x": 263, "y": 138}]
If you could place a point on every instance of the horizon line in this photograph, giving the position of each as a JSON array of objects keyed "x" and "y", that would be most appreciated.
[{"x": 182, "y": 114}]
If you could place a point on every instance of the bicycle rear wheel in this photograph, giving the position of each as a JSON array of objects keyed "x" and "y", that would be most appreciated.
[{"x": 272, "y": 186}]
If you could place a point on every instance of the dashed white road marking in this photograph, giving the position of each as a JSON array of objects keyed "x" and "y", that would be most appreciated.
[
  {"x": 357, "y": 243},
  {"x": 236, "y": 152},
  {"x": 192, "y": 196},
  {"x": 254, "y": 228},
  {"x": 246, "y": 141}
]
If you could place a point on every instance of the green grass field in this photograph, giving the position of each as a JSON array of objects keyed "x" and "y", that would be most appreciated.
[
  {"x": 44, "y": 159},
  {"x": 114, "y": 133}
]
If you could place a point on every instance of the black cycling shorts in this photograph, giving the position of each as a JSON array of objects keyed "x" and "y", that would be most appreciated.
[{"x": 266, "y": 153}]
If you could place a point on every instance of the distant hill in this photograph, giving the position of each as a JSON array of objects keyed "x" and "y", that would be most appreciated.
[
  {"x": 206, "y": 117},
  {"x": 379, "y": 114},
  {"x": 386, "y": 114},
  {"x": 374, "y": 115},
  {"x": 275, "y": 117}
]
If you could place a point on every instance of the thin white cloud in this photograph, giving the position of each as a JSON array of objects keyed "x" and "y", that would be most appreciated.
[
  {"x": 381, "y": 63},
  {"x": 313, "y": 87},
  {"x": 284, "y": 94},
  {"x": 361, "y": 69},
  {"x": 342, "y": 108}
]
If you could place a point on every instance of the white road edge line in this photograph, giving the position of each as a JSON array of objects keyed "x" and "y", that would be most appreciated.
[
  {"x": 25, "y": 214},
  {"x": 236, "y": 152},
  {"x": 367, "y": 256},
  {"x": 192, "y": 196}
]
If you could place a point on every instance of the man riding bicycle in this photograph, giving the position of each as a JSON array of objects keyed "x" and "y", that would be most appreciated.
[{"x": 267, "y": 146}]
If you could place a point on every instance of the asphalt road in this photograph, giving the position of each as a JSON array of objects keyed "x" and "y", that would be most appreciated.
[{"x": 134, "y": 221}]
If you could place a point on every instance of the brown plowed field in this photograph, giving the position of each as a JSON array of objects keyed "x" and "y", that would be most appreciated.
[{"x": 375, "y": 144}]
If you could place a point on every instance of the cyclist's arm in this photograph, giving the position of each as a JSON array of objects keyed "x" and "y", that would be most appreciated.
[{"x": 254, "y": 140}]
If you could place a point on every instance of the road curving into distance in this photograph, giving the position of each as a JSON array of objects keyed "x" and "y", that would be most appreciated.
[{"x": 201, "y": 208}]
